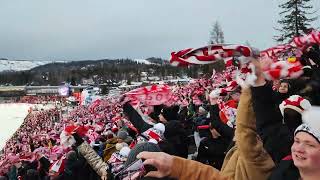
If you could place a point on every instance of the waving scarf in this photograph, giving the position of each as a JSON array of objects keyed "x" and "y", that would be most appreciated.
[
  {"x": 150, "y": 95},
  {"x": 210, "y": 54}
]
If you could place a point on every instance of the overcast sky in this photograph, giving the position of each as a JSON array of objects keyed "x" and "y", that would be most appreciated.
[{"x": 96, "y": 29}]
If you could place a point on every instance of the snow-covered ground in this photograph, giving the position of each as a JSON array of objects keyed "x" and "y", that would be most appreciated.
[
  {"x": 11, "y": 117},
  {"x": 17, "y": 65}
]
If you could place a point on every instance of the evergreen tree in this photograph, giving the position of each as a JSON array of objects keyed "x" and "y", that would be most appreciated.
[
  {"x": 216, "y": 34},
  {"x": 295, "y": 19}
]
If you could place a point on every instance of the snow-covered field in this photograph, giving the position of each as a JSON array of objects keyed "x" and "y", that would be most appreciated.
[
  {"x": 15, "y": 65},
  {"x": 11, "y": 117}
]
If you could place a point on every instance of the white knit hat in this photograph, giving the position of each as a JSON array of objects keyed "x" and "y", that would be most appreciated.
[{"x": 311, "y": 123}]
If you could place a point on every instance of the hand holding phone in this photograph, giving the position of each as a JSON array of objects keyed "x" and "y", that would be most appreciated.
[{"x": 160, "y": 163}]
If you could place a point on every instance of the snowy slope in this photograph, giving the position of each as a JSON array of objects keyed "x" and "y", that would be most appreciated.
[
  {"x": 20, "y": 65},
  {"x": 11, "y": 118}
]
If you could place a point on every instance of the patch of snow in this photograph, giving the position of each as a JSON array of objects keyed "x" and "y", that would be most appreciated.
[
  {"x": 142, "y": 61},
  {"x": 20, "y": 65}
]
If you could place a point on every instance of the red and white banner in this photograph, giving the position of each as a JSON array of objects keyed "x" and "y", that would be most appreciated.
[{"x": 150, "y": 95}]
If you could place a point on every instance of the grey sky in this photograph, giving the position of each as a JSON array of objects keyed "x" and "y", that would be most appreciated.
[{"x": 95, "y": 29}]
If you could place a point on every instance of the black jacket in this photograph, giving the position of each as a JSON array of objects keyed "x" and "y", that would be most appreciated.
[
  {"x": 212, "y": 151},
  {"x": 177, "y": 137},
  {"x": 276, "y": 136},
  {"x": 285, "y": 170},
  {"x": 223, "y": 129},
  {"x": 175, "y": 134},
  {"x": 201, "y": 121}
]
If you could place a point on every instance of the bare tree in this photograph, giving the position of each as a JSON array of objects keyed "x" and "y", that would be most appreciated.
[{"x": 216, "y": 34}]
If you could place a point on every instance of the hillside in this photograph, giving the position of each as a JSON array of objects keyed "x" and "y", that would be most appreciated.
[{"x": 100, "y": 71}]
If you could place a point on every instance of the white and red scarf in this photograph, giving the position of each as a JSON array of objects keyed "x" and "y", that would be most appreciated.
[
  {"x": 210, "y": 54},
  {"x": 150, "y": 95}
]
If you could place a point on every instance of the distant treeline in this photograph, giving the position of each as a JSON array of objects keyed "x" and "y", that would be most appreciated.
[{"x": 102, "y": 71}]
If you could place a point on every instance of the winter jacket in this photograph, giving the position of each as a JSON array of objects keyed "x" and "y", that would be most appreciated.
[
  {"x": 110, "y": 148},
  {"x": 212, "y": 151},
  {"x": 246, "y": 160},
  {"x": 45, "y": 164},
  {"x": 92, "y": 158},
  {"x": 276, "y": 136},
  {"x": 71, "y": 170},
  {"x": 177, "y": 137},
  {"x": 174, "y": 134},
  {"x": 223, "y": 129},
  {"x": 200, "y": 121},
  {"x": 285, "y": 170},
  {"x": 279, "y": 97}
]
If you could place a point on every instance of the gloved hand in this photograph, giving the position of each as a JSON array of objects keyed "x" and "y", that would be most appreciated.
[{"x": 78, "y": 139}]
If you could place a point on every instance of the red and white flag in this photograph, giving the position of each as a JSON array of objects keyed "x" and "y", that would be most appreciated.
[
  {"x": 210, "y": 54},
  {"x": 150, "y": 95}
]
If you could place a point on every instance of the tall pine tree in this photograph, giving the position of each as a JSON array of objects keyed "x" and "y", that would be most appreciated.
[{"x": 295, "y": 19}]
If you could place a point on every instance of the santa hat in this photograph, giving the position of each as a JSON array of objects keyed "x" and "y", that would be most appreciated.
[
  {"x": 66, "y": 138},
  {"x": 311, "y": 123},
  {"x": 296, "y": 103}
]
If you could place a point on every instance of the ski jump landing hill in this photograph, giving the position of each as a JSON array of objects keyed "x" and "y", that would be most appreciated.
[{"x": 11, "y": 118}]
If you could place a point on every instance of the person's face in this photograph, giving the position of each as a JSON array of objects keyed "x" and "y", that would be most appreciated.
[
  {"x": 283, "y": 88},
  {"x": 306, "y": 152}
]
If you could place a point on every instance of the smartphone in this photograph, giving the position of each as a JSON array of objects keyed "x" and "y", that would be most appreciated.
[{"x": 134, "y": 171}]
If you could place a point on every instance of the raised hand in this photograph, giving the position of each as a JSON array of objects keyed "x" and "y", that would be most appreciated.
[{"x": 161, "y": 161}]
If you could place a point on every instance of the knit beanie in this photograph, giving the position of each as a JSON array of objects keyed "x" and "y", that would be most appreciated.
[
  {"x": 156, "y": 112},
  {"x": 307, "y": 71},
  {"x": 124, "y": 135},
  {"x": 311, "y": 123},
  {"x": 145, "y": 146},
  {"x": 170, "y": 113}
]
